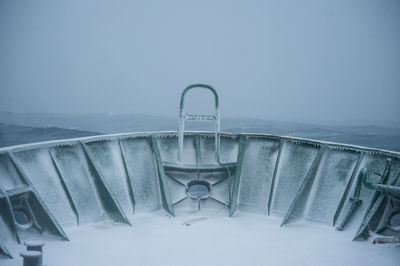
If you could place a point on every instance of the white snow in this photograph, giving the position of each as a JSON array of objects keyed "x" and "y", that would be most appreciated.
[{"x": 245, "y": 239}]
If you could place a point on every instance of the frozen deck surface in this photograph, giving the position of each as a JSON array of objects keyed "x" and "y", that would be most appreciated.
[{"x": 246, "y": 239}]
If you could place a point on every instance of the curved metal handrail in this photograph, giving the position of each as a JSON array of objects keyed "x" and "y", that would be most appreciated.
[
  {"x": 205, "y": 86},
  {"x": 183, "y": 116}
]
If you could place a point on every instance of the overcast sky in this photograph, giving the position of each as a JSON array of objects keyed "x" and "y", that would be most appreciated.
[{"x": 302, "y": 61}]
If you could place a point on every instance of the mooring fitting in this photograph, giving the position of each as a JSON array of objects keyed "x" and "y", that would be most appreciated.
[
  {"x": 35, "y": 245},
  {"x": 32, "y": 258}
]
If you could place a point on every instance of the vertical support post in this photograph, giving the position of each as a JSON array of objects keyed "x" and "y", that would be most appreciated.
[
  {"x": 362, "y": 230},
  {"x": 198, "y": 154},
  {"x": 272, "y": 187},
  {"x": 110, "y": 203},
  {"x": 197, "y": 149},
  {"x": 310, "y": 174},
  {"x": 180, "y": 136},
  {"x": 355, "y": 201},
  {"x": 165, "y": 196},
  {"x": 10, "y": 215},
  {"x": 128, "y": 177},
  {"x": 217, "y": 137},
  {"x": 234, "y": 191},
  {"x": 347, "y": 189},
  {"x": 375, "y": 203},
  {"x": 64, "y": 185}
]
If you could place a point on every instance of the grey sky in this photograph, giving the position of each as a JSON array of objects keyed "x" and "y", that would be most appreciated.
[{"x": 323, "y": 61}]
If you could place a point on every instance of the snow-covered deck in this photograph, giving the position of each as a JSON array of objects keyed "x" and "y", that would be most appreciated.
[{"x": 248, "y": 239}]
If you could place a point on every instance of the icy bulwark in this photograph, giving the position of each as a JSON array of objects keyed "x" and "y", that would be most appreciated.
[{"x": 47, "y": 186}]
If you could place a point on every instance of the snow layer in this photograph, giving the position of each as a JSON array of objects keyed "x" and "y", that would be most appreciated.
[{"x": 246, "y": 239}]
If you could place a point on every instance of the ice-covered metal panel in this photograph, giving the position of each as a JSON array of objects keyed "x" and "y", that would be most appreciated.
[
  {"x": 9, "y": 177},
  {"x": 162, "y": 179},
  {"x": 43, "y": 175},
  {"x": 71, "y": 162},
  {"x": 329, "y": 184},
  {"x": 142, "y": 171},
  {"x": 258, "y": 166},
  {"x": 176, "y": 189},
  {"x": 169, "y": 149},
  {"x": 373, "y": 163},
  {"x": 108, "y": 159},
  {"x": 298, "y": 204},
  {"x": 295, "y": 161},
  {"x": 7, "y": 228},
  {"x": 228, "y": 149}
]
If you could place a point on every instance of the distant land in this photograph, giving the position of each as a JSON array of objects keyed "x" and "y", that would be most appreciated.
[{"x": 19, "y": 128}]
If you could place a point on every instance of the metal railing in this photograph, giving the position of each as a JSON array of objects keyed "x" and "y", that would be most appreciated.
[{"x": 198, "y": 117}]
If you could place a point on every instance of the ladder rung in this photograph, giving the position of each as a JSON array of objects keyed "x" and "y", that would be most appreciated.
[{"x": 200, "y": 117}]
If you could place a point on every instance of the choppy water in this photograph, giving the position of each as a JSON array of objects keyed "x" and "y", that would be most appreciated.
[{"x": 18, "y": 128}]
